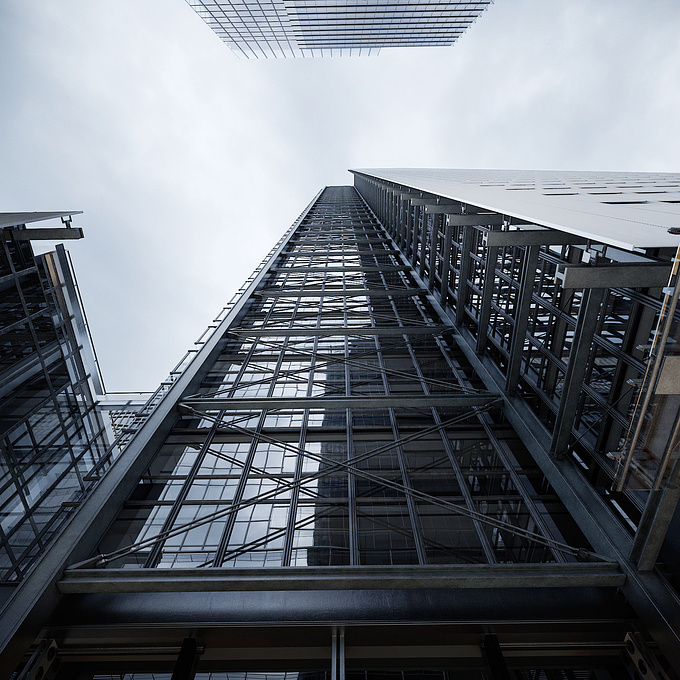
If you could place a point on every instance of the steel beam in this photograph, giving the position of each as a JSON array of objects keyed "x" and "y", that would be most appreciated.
[
  {"x": 359, "y": 402},
  {"x": 432, "y": 200},
  {"x": 347, "y": 292},
  {"x": 471, "y": 220},
  {"x": 532, "y": 237},
  {"x": 479, "y": 576},
  {"x": 322, "y": 269},
  {"x": 261, "y": 332},
  {"x": 331, "y": 253},
  {"x": 653, "y": 275},
  {"x": 48, "y": 234}
]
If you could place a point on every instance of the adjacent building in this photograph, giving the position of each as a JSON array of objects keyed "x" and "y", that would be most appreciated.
[
  {"x": 435, "y": 437},
  {"x": 302, "y": 28},
  {"x": 53, "y": 441}
]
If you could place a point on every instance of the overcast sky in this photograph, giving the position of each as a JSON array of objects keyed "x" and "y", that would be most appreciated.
[{"x": 189, "y": 162}]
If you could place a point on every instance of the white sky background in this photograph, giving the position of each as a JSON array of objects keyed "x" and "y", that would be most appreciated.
[{"x": 189, "y": 162}]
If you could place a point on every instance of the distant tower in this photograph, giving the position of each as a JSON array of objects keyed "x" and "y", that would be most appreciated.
[{"x": 297, "y": 28}]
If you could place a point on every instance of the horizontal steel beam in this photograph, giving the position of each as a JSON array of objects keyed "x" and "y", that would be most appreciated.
[
  {"x": 432, "y": 200},
  {"x": 614, "y": 276},
  {"x": 532, "y": 237},
  {"x": 541, "y": 575},
  {"x": 456, "y": 219},
  {"x": 360, "y": 402},
  {"x": 263, "y": 332},
  {"x": 340, "y": 251},
  {"x": 348, "y": 292},
  {"x": 48, "y": 234},
  {"x": 322, "y": 269}
]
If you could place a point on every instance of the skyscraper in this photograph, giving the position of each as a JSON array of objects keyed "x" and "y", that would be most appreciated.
[
  {"x": 410, "y": 449},
  {"x": 297, "y": 28}
]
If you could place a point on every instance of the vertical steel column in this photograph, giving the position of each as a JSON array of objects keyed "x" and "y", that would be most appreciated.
[
  {"x": 403, "y": 217},
  {"x": 408, "y": 228},
  {"x": 654, "y": 525},
  {"x": 410, "y": 231},
  {"x": 493, "y": 659},
  {"x": 401, "y": 458},
  {"x": 453, "y": 461},
  {"x": 488, "y": 284},
  {"x": 586, "y": 323},
  {"x": 638, "y": 332},
  {"x": 295, "y": 493},
  {"x": 434, "y": 233},
  {"x": 526, "y": 288},
  {"x": 352, "y": 516},
  {"x": 185, "y": 666},
  {"x": 338, "y": 654},
  {"x": 558, "y": 336},
  {"x": 446, "y": 263},
  {"x": 465, "y": 248},
  {"x": 390, "y": 210},
  {"x": 423, "y": 242},
  {"x": 414, "y": 239}
]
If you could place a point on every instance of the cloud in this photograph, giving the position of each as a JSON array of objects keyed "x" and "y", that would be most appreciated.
[{"x": 190, "y": 163}]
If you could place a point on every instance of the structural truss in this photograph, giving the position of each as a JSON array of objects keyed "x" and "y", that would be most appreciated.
[{"x": 345, "y": 482}]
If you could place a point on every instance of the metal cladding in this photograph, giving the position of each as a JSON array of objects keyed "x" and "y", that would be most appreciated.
[
  {"x": 302, "y": 28},
  {"x": 387, "y": 459},
  {"x": 629, "y": 210}
]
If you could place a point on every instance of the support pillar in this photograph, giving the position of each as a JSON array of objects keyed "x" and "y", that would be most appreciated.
[
  {"x": 526, "y": 289},
  {"x": 494, "y": 660},
  {"x": 465, "y": 248},
  {"x": 185, "y": 666},
  {"x": 576, "y": 368},
  {"x": 490, "y": 260},
  {"x": 446, "y": 264}
]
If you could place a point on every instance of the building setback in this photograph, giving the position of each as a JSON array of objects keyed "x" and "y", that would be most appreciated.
[
  {"x": 433, "y": 438},
  {"x": 298, "y": 28}
]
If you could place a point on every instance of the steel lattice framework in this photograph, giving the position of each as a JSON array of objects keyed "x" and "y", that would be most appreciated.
[
  {"x": 337, "y": 483},
  {"x": 52, "y": 438}
]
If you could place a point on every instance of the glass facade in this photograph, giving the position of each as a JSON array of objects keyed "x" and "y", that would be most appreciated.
[
  {"x": 302, "y": 28},
  {"x": 369, "y": 453},
  {"x": 53, "y": 441}
]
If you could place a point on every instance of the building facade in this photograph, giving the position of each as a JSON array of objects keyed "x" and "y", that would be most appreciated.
[
  {"x": 297, "y": 28},
  {"x": 53, "y": 441},
  {"x": 399, "y": 455}
]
